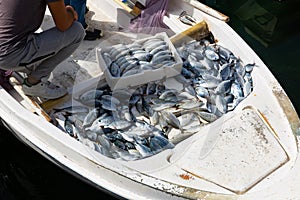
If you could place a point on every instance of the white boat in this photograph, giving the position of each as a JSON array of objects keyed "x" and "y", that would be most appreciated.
[{"x": 251, "y": 152}]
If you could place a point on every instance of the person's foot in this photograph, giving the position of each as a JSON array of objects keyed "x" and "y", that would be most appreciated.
[
  {"x": 44, "y": 89},
  {"x": 93, "y": 35}
]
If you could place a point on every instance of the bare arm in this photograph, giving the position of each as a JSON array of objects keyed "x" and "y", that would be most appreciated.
[{"x": 63, "y": 16}]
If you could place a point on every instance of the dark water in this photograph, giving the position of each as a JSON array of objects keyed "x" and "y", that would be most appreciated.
[
  {"x": 24, "y": 174},
  {"x": 271, "y": 29}
]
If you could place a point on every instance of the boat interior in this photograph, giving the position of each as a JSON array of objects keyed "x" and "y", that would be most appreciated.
[{"x": 205, "y": 159}]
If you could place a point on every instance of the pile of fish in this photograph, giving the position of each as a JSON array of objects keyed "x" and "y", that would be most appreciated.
[
  {"x": 128, "y": 59},
  {"x": 141, "y": 121},
  {"x": 216, "y": 75}
]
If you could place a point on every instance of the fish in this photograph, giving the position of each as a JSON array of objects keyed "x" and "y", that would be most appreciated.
[
  {"x": 211, "y": 55},
  {"x": 223, "y": 88},
  {"x": 161, "y": 58},
  {"x": 107, "y": 58},
  {"x": 186, "y": 20},
  {"x": 158, "y": 49},
  {"x": 163, "y": 105},
  {"x": 90, "y": 95},
  {"x": 149, "y": 47},
  {"x": 142, "y": 149},
  {"x": 115, "y": 70},
  {"x": 70, "y": 128},
  {"x": 90, "y": 117},
  {"x": 221, "y": 104},
  {"x": 171, "y": 119},
  {"x": 224, "y": 52},
  {"x": 136, "y": 122},
  {"x": 209, "y": 117},
  {"x": 72, "y": 110},
  {"x": 119, "y": 124}
]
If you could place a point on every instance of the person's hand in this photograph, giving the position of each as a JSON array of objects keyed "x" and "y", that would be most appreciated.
[
  {"x": 63, "y": 15},
  {"x": 71, "y": 10}
]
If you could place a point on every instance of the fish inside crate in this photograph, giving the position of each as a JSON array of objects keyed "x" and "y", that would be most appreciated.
[{"x": 145, "y": 60}]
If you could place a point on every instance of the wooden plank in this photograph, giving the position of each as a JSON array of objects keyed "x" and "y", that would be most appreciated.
[
  {"x": 197, "y": 32},
  {"x": 18, "y": 87},
  {"x": 134, "y": 11},
  {"x": 21, "y": 100},
  {"x": 51, "y": 103},
  {"x": 208, "y": 10},
  {"x": 124, "y": 6}
]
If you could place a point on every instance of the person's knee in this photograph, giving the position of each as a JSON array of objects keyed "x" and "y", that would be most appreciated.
[{"x": 78, "y": 29}]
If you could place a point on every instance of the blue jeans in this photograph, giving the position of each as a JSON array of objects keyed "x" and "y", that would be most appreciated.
[{"x": 80, "y": 7}]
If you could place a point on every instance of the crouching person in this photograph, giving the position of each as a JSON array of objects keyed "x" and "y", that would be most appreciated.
[{"x": 37, "y": 54}]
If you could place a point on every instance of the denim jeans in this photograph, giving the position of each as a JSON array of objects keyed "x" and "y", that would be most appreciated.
[{"x": 80, "y": 7}]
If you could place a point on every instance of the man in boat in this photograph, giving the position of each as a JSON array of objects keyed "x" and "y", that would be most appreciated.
[
  {"x": 81, "y": 9},
  {"x": 37, "y": 54}
]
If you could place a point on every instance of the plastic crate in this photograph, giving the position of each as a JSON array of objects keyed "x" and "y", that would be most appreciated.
[{"x": 144, "y": 76}]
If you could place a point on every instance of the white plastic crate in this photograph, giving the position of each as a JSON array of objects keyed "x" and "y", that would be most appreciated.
[{"x": 144, "y": 76}]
